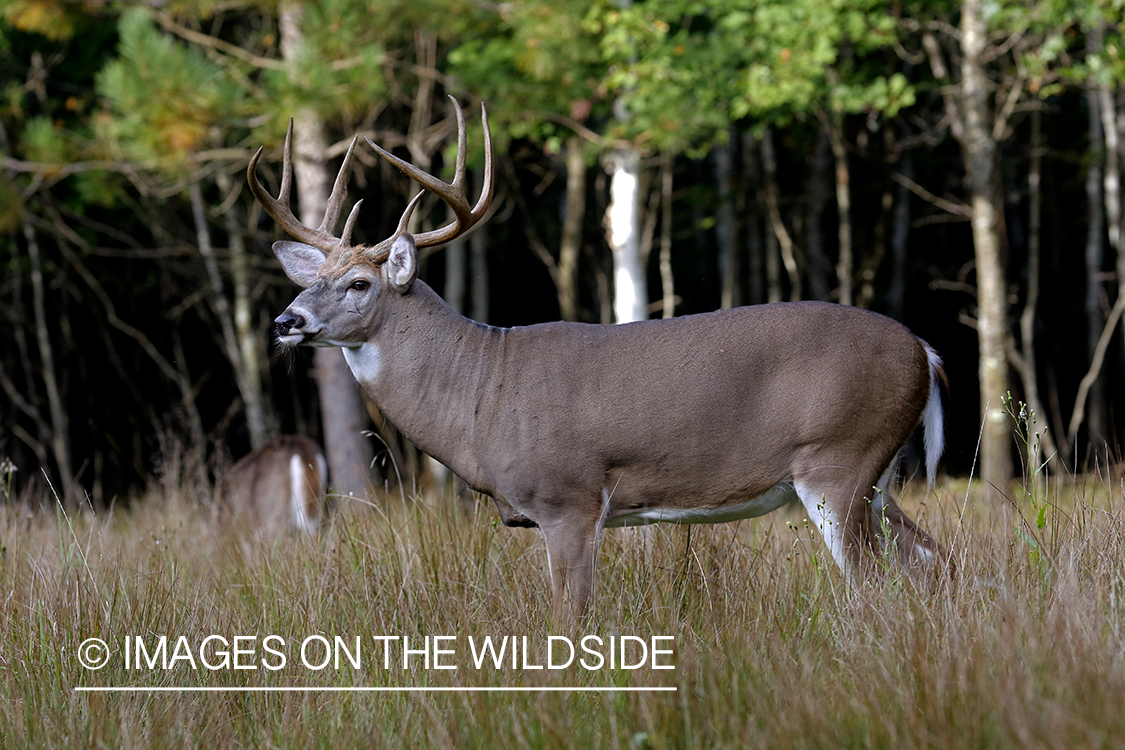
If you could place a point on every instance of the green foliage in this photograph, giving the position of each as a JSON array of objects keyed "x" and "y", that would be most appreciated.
[
  {"x": 97, "y": 188},
  {"x": 674, "y": 84},
  {"x": 682, "y": 70},
  {"x": 805, "y": 54},
  {"x": 44, "y": 142},
  {"x": 1107, "y": 65},
  {"x": 687, "y": 69},
  {"x": 163, "y": 97},
  {"x": 47, "y": 17},
  {"x": 531, "y": 61},
  {"x": 339, "y": 66}
]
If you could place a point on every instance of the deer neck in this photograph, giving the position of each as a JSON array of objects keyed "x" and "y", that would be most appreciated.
[{"x": 426, "y": 367}]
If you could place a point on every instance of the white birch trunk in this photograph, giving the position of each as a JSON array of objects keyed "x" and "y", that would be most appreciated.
[{"x": 623, "y": 228}]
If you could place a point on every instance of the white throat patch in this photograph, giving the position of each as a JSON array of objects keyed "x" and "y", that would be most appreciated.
[{"x": 364, "y": 362}]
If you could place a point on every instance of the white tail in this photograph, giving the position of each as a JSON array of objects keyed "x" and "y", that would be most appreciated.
[
  {"x": 278, "y": 488},
  {"x": 933, "y": 419},
  {"x": 573, "y": 427}
]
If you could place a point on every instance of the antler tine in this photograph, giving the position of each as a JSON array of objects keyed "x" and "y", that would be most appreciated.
[
  {"x": 339, "y": 192},
  {"x": 458, "y": 183},
  {"x": 349, "y": 225},
  {"x": 452, "y": 193},
  {"x": 279, "y": 210},
  {"x": 382, "y": 251},
  {"x": 486, "y": 189}
]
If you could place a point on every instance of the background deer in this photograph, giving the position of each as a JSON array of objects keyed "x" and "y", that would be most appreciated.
[
  {"x": 574, "y": 427},
  {"x": 278, "y": 488}
]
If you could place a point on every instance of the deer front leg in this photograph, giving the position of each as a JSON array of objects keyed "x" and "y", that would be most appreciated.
[{"x": 572, "y": 552}]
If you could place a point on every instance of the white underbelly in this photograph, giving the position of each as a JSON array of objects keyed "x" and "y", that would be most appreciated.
[{"x": 769, "y": 501}]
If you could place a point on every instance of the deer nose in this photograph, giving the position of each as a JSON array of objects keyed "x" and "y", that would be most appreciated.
[{"x": 286, "y": 322}]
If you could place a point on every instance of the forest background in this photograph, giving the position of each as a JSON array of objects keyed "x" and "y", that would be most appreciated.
[{"x": 954, "y": 165}]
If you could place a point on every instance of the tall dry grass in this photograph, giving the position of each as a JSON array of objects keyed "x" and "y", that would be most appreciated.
[{"x": 772, "y": 650}]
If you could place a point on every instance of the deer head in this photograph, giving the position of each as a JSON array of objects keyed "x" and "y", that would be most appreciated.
[{"x": 343, "y": 282}]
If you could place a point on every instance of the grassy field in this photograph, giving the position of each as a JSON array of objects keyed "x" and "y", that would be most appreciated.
[{"x": 771, "y": 650}]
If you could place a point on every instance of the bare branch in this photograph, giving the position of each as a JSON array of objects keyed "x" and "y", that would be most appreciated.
[
  {"x": 905, "y": 55},
  {"x": 53, "y": 169},
  {"x": 960, "y": 209},
  {"x": 1000, "y": 49},
  {"x": 1079, "y": 414},
  {"x": 205, "y": 40},
  {"x": 941, "y": 72},
  {"x": 773, "y": 212},
  {"x": 1001, "y": 122},
  {"x": 579, "y": 129},
  {"x": 932, "y": 219},
  {"x": 17, "y": 398},
  {"x": 533, "y": 239},
  {"x": 74, "y": 261}
]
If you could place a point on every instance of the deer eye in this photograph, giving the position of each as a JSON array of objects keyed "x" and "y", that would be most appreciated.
[{"x": 360, "y": 285}]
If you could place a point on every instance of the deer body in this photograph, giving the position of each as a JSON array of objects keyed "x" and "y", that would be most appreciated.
[
  {"x": 278, "y": 488},
  {"x": 574, "y": 427}
]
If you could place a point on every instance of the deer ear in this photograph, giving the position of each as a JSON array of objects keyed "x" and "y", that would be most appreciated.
[
  {"x": 300, "y": 261},
  {"x": 402, "y": 263}
]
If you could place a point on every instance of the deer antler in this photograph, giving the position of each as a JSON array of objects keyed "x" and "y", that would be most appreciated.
[
  {"x": 453, "y": 193},
  {"x": 278, "y": 209}
]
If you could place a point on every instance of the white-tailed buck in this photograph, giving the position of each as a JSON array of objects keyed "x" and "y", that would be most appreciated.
[
  {"x": 574, "y": 427},
  {"x": 277, "y": 488}
]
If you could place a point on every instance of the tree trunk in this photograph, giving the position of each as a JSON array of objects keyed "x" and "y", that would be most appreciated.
[
  {"x": 1095, "y": 256},
  {"x": 1112, "y": 128},
  {"x": 869, "y": 269},
  {"x": 784, "y": 244},
  {"x": 772, "y": 261},
  {"x": 341, "y": 402},
  {"x": 623, "y": 228},
  {"x": 752, "y": 213},
  {"x": 724, "y": 227},
  {"x": 814, "y": 212},
  {"x": 1113, "y": 133},
  {"x": 845, "y": 264},
  {"x": 455, "y": 271},
  {"x": 667, "y": 282},
  {"x": 979, "y": 149},
  {"x": 478, "y": 250},
  {"x": 59, "y": 432},
  {"x": 900, "y": 233},
  {"x": 1029, "y": 358},
  {"x": 575, "y": 217},
  {"x": 248, "y": 342}
]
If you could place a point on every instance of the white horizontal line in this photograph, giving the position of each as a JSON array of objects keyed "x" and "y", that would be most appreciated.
[{"x": 364, "y": 689}]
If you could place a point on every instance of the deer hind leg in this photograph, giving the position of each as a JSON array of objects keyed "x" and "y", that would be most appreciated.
[
  {"x": 914, "y": 549},
  {"x": 838, "y": 509}
]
